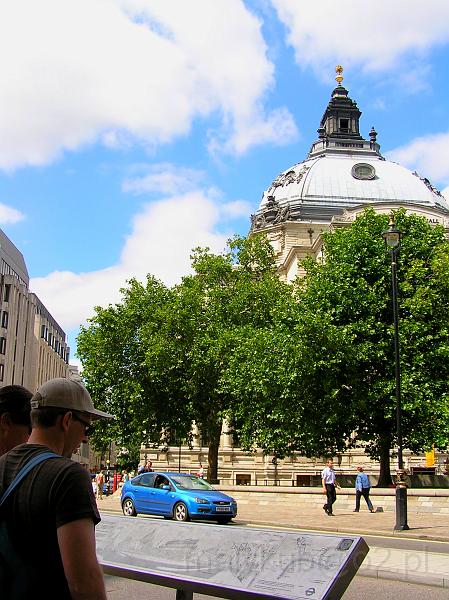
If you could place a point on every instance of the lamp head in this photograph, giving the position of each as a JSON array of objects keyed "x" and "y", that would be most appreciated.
[{"x": 392, "y": 235}]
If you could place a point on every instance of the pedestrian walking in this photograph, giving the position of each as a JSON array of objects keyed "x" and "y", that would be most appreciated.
[
  {"x": 329, "y": 482},
  {"x": 362, "y": 488},
  {"x": 99, "y": 480}
]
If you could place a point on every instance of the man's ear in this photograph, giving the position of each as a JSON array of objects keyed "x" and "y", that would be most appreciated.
[
  {"x": 66, "y": 420},
  {"x": 5, "y": 420}
]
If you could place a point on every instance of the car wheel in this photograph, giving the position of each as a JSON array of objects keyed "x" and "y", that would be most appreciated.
[
  {"x": 128, "y": 508},
  {"x": 224, "y": 520},
  {"x": 180, "y": 512}
]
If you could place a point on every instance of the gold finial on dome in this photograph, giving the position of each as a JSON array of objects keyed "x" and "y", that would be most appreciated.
[{"x": 339, "y": 71}]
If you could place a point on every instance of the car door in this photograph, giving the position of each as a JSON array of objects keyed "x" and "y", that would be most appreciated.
[
  {"x": 161, "y": 499},
  {"x": 142, "y": 493}
]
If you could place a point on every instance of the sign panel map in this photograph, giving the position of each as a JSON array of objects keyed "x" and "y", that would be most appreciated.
[{"x": 264, "y": 562}]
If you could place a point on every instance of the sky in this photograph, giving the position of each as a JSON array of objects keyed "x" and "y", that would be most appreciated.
[{"x": 132, "y": 131}]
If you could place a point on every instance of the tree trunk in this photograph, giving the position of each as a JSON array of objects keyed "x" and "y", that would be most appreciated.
[
  {"x": 214, "y": 435},
  {"x": 384, "y": 451}
]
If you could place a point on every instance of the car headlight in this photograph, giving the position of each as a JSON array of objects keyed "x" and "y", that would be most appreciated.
[{"x": 201, "y": 501}]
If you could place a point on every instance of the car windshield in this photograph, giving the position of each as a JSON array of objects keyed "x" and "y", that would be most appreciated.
[{"x": 190, "y": 482}]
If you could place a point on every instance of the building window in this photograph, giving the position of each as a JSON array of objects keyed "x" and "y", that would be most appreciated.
[
  {"x": 243, "y": 479},
  {"x": 344, "y": 125},
  {"x": 43, "y": 331},
  {"x": 5, "y": 319},
  {"x": 6, "y": 292},
  {"x": 2, "y": 371},
  {"x": 363, "y": 171},
  {"x": 2, "y": 345}
]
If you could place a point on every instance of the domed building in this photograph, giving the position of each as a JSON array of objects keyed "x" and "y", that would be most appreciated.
[{"x": 342, "y": 174}]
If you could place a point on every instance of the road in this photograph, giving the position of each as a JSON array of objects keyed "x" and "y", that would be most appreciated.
[{"x": 361, "y": 588}]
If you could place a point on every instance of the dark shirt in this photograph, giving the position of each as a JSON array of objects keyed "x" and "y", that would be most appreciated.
[{"x": 56, "y": 492}]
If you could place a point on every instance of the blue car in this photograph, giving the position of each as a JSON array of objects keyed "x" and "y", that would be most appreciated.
[{"x": 177, "y": 496}]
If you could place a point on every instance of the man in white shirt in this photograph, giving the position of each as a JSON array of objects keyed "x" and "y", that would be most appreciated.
[{"x": 329, "y": 481}]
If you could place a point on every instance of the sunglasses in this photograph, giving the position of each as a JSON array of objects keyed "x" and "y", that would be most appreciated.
[{"x": 88, "y": 427}]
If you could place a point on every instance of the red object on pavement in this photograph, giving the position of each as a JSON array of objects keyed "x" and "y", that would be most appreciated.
[{"x": 114, "y": 483}]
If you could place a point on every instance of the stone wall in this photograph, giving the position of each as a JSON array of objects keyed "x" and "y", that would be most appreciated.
[{"x": 311, "y": 499}]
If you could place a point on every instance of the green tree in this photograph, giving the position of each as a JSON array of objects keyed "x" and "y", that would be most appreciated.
[
  {"x": 112, "y": 352},
  {"x": 157, "y": 358},
  {"x": 323, "y": 378}
]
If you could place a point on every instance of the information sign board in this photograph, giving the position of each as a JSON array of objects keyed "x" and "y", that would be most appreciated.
[{"x": 230, "y": 561}]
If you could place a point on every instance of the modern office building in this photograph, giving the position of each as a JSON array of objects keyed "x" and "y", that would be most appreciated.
[{"x": 33, "y": 346}]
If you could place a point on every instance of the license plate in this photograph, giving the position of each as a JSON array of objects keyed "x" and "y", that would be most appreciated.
[{"x": 223, "y": 508}]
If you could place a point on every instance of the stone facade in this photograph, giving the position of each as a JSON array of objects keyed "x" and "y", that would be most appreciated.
[{"x": 33, "y": 346}]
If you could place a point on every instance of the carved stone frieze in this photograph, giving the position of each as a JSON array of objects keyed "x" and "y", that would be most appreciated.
[
  {"x": 271, "y": 215},
  {"x": 285, "y": 179},
  {"x": 301, "y": 173}
]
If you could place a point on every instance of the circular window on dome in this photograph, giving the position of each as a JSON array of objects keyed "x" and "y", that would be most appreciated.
[{"x": 363, "y": 171}]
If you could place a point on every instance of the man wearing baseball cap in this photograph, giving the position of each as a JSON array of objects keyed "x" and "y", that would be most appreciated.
[{"x": 51, "y": 514}]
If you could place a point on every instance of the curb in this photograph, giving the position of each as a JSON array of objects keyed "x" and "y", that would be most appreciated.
[
  {"x": 352, "y": 531},
  {"x": 397, "y": 575}
]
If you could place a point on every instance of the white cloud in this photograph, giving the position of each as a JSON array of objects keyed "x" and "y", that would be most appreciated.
[
  {"x": 377, "y": 35},
  {"x": 428, "y": 155},
  {"x": 160, "y": 243},
  {"x": 164, "y": 178},
  {"x": 9, "y": 215},
  {"x": 127, "y": 71},
  {"x": 236, "y": 209},
  {"x": 278, "y": 128}
]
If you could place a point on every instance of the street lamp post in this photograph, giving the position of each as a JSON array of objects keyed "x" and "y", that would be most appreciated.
[{"x": 392, "y": 237}]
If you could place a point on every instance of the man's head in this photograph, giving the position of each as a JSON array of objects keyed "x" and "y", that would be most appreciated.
[
  {"x": 330, "y": 463},
  {"x": 62, "y": 412},
  {"x": 359, "y": 469},
  {"x": 15, "y": 424}
]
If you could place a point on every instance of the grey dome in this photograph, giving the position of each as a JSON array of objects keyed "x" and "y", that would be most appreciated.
[
  {"x": 342, "y": 171},
  {"x": 323, "y": 186}
]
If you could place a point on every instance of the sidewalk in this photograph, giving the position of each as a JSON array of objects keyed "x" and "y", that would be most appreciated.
[{"x": 414, "y": 566}]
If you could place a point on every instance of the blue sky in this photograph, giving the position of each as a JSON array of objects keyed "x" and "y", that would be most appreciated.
[{"x": 134, "y": 130}]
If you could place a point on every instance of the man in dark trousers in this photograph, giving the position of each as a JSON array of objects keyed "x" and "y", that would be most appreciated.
[
  {"x": 329, "y": 482},
  {"x": 51, "y": 515},
  {"x": 15, "y": 424},
  {"x": 362, "y": 488}
]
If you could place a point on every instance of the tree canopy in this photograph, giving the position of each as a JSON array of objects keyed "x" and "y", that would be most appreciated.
[
  {"x": 156, "y": 359},
  {"x": 329, "y": 379},
  {"x": 307, "y": 367}
]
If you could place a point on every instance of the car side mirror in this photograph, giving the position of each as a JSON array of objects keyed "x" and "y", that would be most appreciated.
[{"x": 166, "y": 487}]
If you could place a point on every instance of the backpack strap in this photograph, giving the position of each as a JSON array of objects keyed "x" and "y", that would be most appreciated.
[{"x": 24, "y": 472}]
